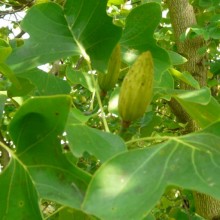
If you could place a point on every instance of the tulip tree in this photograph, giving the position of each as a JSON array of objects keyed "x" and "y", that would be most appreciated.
[{"x": 65, "y": 154}]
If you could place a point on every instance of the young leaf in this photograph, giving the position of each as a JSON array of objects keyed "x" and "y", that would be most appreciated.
[
  {"x": 80, "y": 27},
  {"x": 139, "y": 177}
]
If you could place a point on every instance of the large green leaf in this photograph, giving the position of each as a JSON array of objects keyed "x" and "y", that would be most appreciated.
[
  {"x": 129, "y": 185},
  {"x": 36, "y": 131},
  {"x": 80, "y": 27},
  {"x": 138, "y": 35}
]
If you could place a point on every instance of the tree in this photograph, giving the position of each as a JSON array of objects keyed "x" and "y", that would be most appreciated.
[{"x": 65, "y": 153}]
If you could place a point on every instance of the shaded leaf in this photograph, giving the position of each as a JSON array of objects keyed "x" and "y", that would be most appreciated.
[
  {"x": 102, "y": 145},
  {"x": 77, "y": 117},
  {"x": 46, "y": 83},
  {"x": 18, "y": 197},
  {"x": 81, "y": 27},
  {"x": 164, "y": 85},
  {"x": 78, "y": 77},
  {"x": 141, "y": 176},
  {"x": 7, "y": 72},
  {"x": 25, "y": 88},
  {"x": 71, "y": 214},
  {"x": 36, "y": 130}
]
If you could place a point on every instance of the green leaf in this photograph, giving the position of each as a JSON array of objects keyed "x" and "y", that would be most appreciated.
[
  {"x": 3, "y": 99},
  {"x": 71, "y": 214},
  {"x": 176, "y": 59},
  {"x": 5, "y": 50},
  {"x": 102, "y": 145},
  {"x": 150, "y": 121},
  {"x": 177, "y": 213},
  {"x": 215, "y": 67},
  {"x": 77, "y": 117},
  {"x": 46, "y": 83},
  {"x": 200, "y": 105},
  {"x": 201, "y": 96},
  {"x": 205, "y": 3},
  {"x": 78, "y": 77},
  {"x": 7, "y": 71},
  {"x": 25, "y": 88},
  {"x": 80, "y": 27},
  {"x": 215, "y": 33},
  {"x": 138, "y": 35},
  {"x": 36, "y": 131},
  {"x": 164, "y": 85},
  {"x": 141, "y": 176},
  {"x": 185, "y": 77},
  {"x": 19, "y": 199}
]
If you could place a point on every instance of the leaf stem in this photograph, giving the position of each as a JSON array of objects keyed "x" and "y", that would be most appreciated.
[
  {"x": 98, "y": 98},
  {"x": 149, "y": 139},
  {"x": 100, "y": 105}
]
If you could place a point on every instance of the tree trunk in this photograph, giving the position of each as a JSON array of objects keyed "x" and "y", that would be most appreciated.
[{"x": 182, "y": 17}]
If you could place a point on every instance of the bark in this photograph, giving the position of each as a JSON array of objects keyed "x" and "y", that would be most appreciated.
[{"x": 182, "y": 17}]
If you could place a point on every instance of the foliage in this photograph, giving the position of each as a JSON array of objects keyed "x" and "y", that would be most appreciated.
[{"x": 62, "y": 139}]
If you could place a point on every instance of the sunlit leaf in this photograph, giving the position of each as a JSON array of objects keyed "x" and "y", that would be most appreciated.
[
  {"x": 185, "y": 77},
  {"x": 80, "y": 27},
  {"x": 141, "y": 176}
]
